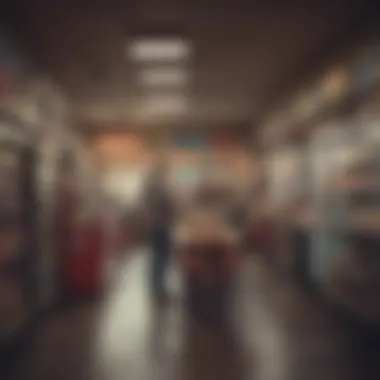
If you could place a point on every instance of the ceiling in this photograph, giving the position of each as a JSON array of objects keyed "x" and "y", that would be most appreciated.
[{"x": 245, "y": 54}]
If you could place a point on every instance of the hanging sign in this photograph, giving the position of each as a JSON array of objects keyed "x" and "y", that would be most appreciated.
[
  {"x": 224, "y": 140},
  {"x": 189, "y": 141},
  {"x": 366, "y": 68}
]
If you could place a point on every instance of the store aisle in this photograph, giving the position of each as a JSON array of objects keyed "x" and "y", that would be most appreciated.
[{"x": 278, "y": 334}]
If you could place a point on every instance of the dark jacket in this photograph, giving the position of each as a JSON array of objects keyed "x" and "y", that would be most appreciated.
[{"x": 159, "y": 206}]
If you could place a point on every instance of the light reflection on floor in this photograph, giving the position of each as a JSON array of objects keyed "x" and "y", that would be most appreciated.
[{"x": 277, "y": 334}]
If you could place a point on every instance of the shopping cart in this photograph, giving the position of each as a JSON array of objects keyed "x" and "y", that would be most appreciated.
[{"x": 209, "y": 262}]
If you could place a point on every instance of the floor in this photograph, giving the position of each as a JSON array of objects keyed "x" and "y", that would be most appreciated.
[{"x": 278, "y": 333}]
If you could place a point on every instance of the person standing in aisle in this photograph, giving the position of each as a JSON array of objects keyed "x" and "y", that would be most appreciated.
[{"x": 160, "y": 210}]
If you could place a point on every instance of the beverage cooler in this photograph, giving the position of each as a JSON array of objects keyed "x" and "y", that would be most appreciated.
[
  {"x": 31, "y": 134},
  {"x": 289, "y": 202},
  {"x": 18, "y": 229},
  {"x": 346, "y": 167}
]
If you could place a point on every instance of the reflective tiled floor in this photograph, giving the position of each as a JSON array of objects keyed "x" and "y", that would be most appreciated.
[{"x": 277, "y": 333}]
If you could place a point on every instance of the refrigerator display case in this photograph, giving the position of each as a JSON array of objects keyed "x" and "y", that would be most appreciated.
[
  {"x": 352, "y": 271},
  {"x": 285, "y": 171},
  {"x": 18, "y": 238},
  {"x": 289, "y": 188},
  {"x": 47, "y": 190},
  {"x": 330, "y": 149}
]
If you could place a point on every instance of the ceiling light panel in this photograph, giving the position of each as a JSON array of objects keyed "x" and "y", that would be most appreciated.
[
  {"x": 165, "y": 104},
  {"x": 163, "y": 76},
  {"x": 159, "y": 50}
]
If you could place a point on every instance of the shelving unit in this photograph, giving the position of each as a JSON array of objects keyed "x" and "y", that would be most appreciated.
[
  {"x": 354, "y": 274},
  {"x": 340, "y": 129}
]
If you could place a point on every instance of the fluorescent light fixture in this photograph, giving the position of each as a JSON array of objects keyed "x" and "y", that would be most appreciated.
[
  {"x": 164, "y": 104},
  {"x": 159, "y": 49},
  {"x": 163, "y": 76}
]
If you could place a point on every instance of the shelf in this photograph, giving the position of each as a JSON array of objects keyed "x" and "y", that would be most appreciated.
[
  {"x": 362, "y": 222},
  {"x": 355, "y": 228},
  {"x": 345, "y": 106}
]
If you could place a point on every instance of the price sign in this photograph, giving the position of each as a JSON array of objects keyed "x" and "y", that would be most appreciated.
[{"x": 189, "y": 141}]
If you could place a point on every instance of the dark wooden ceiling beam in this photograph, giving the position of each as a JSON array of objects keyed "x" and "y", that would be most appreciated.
[{"x": 360, "y": 25}]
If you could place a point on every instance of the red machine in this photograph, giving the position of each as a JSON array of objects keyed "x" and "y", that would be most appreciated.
[
  {"x": 81, "y": 248},
  {"x": 84, "y": 242},
  {"x": 85, "y": 263}
]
